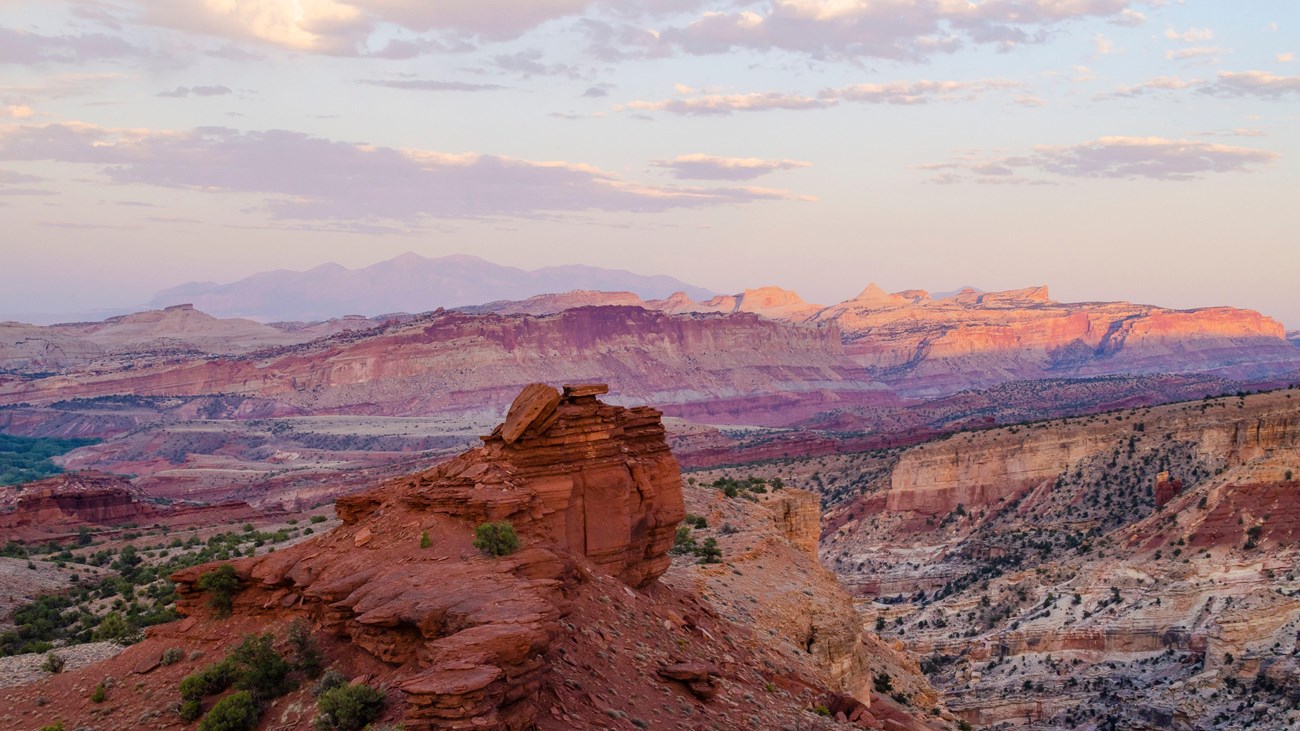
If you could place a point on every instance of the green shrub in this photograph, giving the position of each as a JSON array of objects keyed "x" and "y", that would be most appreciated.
[
  {"x": 236, "y": 712},
  {"x": 115, "y": 628},
  {"x": 498, "y": 539},
  {"x": 209, "y": 681},
  {"x": 100, "y": 694},
  {"x": 172, "y": 655},
  {"x": 329, "y": 681},
  {"x": 306, "y": 653},
  {"x": 221, "y": 584},
  {"x": 348, "y": 708},
  {"x": 425, "y": 542},
  {"x": 56, "y": 726},
  {"x": 318, "y": 519},
  {"x": 709, "y": 551},
  {"x": 190, "y": 710},
  {"x": 259, "y": 668},
  {"x": 53, "y": 663}
]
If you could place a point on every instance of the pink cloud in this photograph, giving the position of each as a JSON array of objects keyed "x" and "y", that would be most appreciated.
[
  {"x": 712, "y": 167},
  {"x": 311, "y": 178},
  {"x": 1154, "y": 158},
  {"x": 897, "y": 29}
]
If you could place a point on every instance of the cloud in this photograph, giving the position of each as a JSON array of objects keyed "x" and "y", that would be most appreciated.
[
  {"x": 710, "y": 167},
  {"x": 305, "y": 178},
  {"x": 16, "y": 111},
  {"x": 1237, "y": 132},
  {"x": 918, "y": 92},
  {"x": 1104, "y": 45},
  {"x": 19, "y": 47},
  {"x": 184, "y": 91},
  {"x": 1191, "y": 35},
  {"x": 1128, "y": 17},
  {"x": 1254, "y": 83},
  {"x": 894, "y": 29},
  {"x": 700, "y": 102},
  {"x": 1211, "y": 52},
  {"x": 430, "y": 85},
  {"x": 529, "y": 63},
  {"x": 724, "y": 104},
  {"x": 345, "y": 27},
  {"x": 1162, "y": 83},
  {"x": 1152, "y": 158},
  {"x": 1287, "y": 57},
  {"x": 595, "y": 92}
]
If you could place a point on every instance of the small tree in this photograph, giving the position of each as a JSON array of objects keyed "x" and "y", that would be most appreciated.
[
  {"x": 261, "y": 670},
  {"x": 237, "y": 712},
  {"x": 424, "y": 540},
  {"x": 306, "y": 653},
  {"x": 221, "y": 584},
  {"x": 498, "y": 539}
]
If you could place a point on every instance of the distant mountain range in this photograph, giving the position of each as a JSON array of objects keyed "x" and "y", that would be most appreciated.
[{"x": 408, "y": 283}]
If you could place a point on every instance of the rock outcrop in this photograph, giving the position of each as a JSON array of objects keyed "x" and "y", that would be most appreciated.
[
  {"x": 583, "y": 483},
  {"x": 57, "y": 507}
]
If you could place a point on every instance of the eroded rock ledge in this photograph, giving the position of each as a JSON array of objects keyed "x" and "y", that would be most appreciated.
[{"x": 584, "y": 484}]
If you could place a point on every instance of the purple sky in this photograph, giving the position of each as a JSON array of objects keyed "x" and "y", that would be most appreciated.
[{"x": 1112, "y": 149}]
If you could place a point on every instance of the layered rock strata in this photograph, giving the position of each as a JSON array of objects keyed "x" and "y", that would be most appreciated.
[{"x": 583, "y": 483}]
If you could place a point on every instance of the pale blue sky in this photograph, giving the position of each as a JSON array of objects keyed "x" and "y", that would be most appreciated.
[{"x": 1112, "y": 149}]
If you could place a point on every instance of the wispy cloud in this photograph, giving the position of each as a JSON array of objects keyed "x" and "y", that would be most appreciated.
[
  {"x": 1162, "y": 83},
  {"x": 1254, "y": 83},
  {"x": 312, "y": 178},
  {"x": 696, "y": 102},
  {"x": 19, "y": 47},
  {"x": 184, "y": 91},
  {"x": 1191, "y": 35},
  {"x": 711, "y": 167},
  {"x": 1152, "y": 158},
  {"x": 723, "y": 104},
  {"x": 894, "y": 29},
  {"x": 429, "y": 85},
  {"x": 1197, "y": 52}
]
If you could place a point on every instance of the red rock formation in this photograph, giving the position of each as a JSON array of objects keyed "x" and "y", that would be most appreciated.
[
  {"x": 1166, "y": 489},
  {"x": 56, "y": 507},
  {"x": 73, "y": 499},
  {"x": 739, "y": 367},
  {"x": 582, "y": 483}
]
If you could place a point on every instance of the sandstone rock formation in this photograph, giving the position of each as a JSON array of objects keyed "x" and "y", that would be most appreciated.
[
  {"x": 740, "y": 366},
  {"x": 576, "y": 478},
  {"x": 928, "y": 347},
  {"x": 56, "y": 507}
]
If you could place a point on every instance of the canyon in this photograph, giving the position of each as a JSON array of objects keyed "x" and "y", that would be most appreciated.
[{"x": 1128, "y": 569}]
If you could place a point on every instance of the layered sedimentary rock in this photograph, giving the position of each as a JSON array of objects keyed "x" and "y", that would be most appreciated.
[
  {"x": 73, "y": 499},
  {"x": 57, "y": 507},
  {"x": 1135, "y": 568},
  {"x": 979, "y": 469},
  {"x": 926, "y": 347},
  {"x": 578, "y": 480},
  {"x": 726, "y": 367}
]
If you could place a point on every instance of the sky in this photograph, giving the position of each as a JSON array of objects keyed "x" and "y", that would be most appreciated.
[{"x": 1110, "y": 149}]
